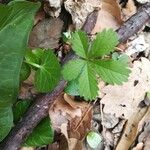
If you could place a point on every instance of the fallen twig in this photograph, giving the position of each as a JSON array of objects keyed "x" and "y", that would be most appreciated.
[{"x": 40, "y": 108}]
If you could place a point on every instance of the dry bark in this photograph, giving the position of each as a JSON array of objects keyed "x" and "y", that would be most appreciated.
[{"x": 40, "y": 108}]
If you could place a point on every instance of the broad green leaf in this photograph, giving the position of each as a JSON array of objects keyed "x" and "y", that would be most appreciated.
[
  {"x": 72, "y": 69},
  {"x": 30, "y": 57},
  {"x": 72, "y": 87},
  {"x": 20, "y": 108},
  {"x": 88, "y": 83},
  {"x": 38, "y": 52},
  {"x": 79, "y": 42},
  {"x": 49, "y": 72},
  {"x": 16, "y": 21},
  {"x": 112, "y": 71},
  {"x": 6, "y": 121},
  {"x": 93, "y": 139},
  {"x": 42, "y": 135},
  {"x": 25, "y": 71},
  {"x": 104, "y": 43},
  {"x": 33, "y": 58}
]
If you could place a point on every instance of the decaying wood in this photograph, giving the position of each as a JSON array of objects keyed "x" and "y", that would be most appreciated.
[{"x": 41, "y": 106}]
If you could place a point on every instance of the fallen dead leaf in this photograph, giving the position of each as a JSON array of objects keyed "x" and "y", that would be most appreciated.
[
  {"x": 109, "y": 16},
  {"x": 137, "y": 45},
  {"x": 139, "y": 146},
  {"x": 46, "y": 34},
  {"x": 74, "y": 119},
  {"x": 122, "y": 101},
  {"x": 129, "y": 10},
  {"x": 130, "y": 130},
  {"x": 79, "y": 10}
]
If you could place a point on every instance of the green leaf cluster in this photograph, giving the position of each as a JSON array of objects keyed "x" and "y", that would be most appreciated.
[
  {"x": 47, "y": 67},
  {"x": 16, "y": 21},
  {"x": 92, "y": 63}
]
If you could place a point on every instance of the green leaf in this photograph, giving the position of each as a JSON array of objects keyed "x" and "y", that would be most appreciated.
[
  {"x": 49, "y": 72},
  {"x": 104, "y": 43},
  {"x": 33, "y": 58},
  {"x": 112, "y": 71},
  {"x": 79, "y": 43},
  {"x": 72, "y": 69},
  {"x": 6, "y": 121},
  {"x": 30, "y": 57},
  {"x": 93, "y": 139},
  {"x": 42, "y": 135},
  {"x": 16, "y": 21},
  {"x": 88, "y": 83},
  {"x": 20, "y": 108},
  {"x": 72, "y": 87},
  {"x": 83, "y": 72},
  {"x": 25, "y": 71}
]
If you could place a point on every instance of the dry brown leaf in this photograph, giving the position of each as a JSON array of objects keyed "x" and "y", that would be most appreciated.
[
  {"x": 129, "y": 10},
  {"x": 130, "y": 130},
  {"x": 109, "y": 16},
  {"x": 139, "y": 146},
  {"x": 122, "y": 101},
  {"x": 74, "y": 119},
  {"x": 79, "y": 10},
  {"x": 46, "y": 34}
]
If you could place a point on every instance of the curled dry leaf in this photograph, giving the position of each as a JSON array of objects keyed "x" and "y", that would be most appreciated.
[
  {"x": 74, "y": 118},
  {"x": 46, "y": 34},
  {"x": 122, "y": 101},
  {"x": 109, "y": 16},
  {"x": 130, "y": 130},
  {"x": 129, "y": 10},
  {"x": 79, "y": 10}
]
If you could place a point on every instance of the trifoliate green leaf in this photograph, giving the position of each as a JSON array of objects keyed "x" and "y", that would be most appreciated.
[
  {"x": 104, "y": 43},
  {"x": 88, "y": 83},
  {"x": 112, "y": 71},
  {"x": 72, "y": 87},
  {"x": 72, "y": 69},
  {"x": 80, "y": 43},
  {"x": 48, "y": 74},
  {"x": 42, "y": 134},
  {"x": 86, "y": 69},
  {"x": 93, "y": 139}
]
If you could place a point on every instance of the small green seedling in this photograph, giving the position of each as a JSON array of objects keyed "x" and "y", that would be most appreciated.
[{"x": 92, "y": 63}]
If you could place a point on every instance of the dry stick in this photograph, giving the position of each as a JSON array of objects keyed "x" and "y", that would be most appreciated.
[{"x": 40, "y": 108}]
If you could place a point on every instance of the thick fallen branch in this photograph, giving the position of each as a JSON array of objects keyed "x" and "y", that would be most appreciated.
[{"x": 40, "y": 108}]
